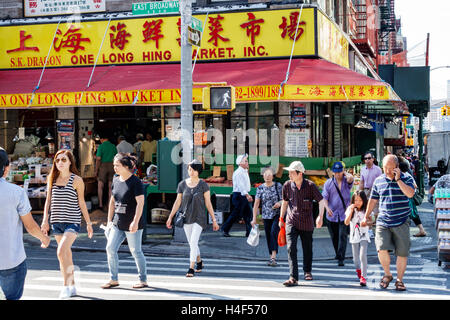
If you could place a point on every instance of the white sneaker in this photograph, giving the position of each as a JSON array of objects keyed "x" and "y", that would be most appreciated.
[
  {"x": 73, "y": 291},
  {"x": 65, "y": 293}
]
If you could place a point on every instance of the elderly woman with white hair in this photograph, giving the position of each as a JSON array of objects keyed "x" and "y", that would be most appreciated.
[{"x": 269, "y": 195}]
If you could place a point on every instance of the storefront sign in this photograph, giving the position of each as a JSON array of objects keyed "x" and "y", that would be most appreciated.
[
  {"x": 298, "y": 116},
  {"x": 36, "y": 8},
  {"x": 332, "y": 44},
  {"x": 227, "y": 36},
  {"x": 173, "y": 96}
]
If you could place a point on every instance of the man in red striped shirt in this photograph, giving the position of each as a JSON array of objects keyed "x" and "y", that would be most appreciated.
[{"x": 298, "y": 196}]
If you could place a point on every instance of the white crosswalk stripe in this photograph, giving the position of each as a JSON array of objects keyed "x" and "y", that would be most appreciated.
[{"x": 232, "y": 279}]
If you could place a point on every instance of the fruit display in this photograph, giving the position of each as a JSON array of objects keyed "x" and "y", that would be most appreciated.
[{"x": 318, "y": 180}]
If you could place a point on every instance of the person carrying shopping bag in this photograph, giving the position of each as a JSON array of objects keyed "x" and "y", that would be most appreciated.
[
  {"x": 193, "y": 197},
  {"x": 125, "y": 220},
  {"x": 269, "y": 196},
  {"x": 64, "y": 205}
]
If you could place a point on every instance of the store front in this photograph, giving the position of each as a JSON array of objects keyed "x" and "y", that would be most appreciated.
[{"x": 312, "y": 99}]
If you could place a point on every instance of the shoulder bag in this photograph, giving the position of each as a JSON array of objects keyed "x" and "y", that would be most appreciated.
[
  {"x": 180, "y": 216},
  {"x": 343, "y": 202}
]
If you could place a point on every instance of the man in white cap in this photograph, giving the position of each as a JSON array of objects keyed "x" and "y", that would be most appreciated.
[
  {"x": 240, "y": 198},
  {"x": 298, "y": 196}
]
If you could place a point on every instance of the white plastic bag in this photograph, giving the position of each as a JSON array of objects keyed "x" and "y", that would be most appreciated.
[{"x": 253, "y": 237}]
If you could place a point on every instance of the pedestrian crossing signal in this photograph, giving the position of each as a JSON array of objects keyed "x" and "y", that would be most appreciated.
[{"x": 219, "y": 98}]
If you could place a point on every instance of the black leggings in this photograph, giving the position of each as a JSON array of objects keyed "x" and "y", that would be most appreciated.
[{"x": 272, "y": 229}]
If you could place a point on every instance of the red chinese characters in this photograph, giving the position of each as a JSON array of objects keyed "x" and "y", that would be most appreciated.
[
  {"x": 361, "y": 92},
  {"x": 71, "y": 39},
  {"x": 252, "y": 26},
  {"x": 179, "y": 31},
  {"x": 332, "y": 91},
  {"x": 152, "y": 31},
  {"x": 299, "y": 92},
  {"x": 289, "y": 29},
  {"x": 380, "y": 91},
  {"x": 216, "y": 27},
  {"x": 22, "y": 46},
  {"x": 119, "y": 36},
  {"x": 316, "y": 91}
]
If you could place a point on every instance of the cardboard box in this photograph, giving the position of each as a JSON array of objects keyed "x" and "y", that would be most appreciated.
[{"x": 230, "y": 171}]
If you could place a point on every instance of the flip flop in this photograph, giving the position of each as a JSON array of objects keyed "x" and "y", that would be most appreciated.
[
  {"x": 109, "y": 285},
  {"x": 140, "y": 285},
  {"x": 308, "y": 276},
  {"x": 290, "y": 283}
]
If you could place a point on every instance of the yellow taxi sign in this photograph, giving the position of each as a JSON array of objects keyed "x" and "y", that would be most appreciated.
[{"x": 219, "y": 98}]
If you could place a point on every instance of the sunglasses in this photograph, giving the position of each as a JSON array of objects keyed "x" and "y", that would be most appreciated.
[
  {"x": 368, "y": 158},
  {"x": 63, "y": 160}
]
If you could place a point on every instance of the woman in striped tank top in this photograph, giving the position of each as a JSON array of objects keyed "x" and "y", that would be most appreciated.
[{"x": 65, "y": 203}]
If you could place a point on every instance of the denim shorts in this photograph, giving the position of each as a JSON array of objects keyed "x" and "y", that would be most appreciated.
[{"x": 60, "y": 228}]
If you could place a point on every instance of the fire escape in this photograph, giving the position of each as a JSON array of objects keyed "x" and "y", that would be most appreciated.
[
  {"x": 366, "y": 33},
  {"x": 388, "y": 25}
]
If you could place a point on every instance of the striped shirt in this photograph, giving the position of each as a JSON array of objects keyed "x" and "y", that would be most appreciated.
[
  {"x": 64, "y": 206},
  {"x": 394, "y": 207}
]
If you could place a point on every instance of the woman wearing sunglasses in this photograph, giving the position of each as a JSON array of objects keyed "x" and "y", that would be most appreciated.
[{"x": 65, "y": 204}]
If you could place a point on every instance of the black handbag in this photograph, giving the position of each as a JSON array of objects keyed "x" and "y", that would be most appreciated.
[
  {"x": 179, "y": 219},
  {"x": 418, "y": 199},
  {"x": 180, "y": 216}
]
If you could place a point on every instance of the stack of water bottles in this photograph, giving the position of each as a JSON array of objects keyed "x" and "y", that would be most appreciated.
[{"x": 442, "y": 215}]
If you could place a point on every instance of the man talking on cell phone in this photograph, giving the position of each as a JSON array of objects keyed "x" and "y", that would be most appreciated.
[{"x": 392, "y": 191}]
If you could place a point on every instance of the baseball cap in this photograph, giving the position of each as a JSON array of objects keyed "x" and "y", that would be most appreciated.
[
  {"x": 295, "y": 166},
  {"x": 337, "y": 167},
  {"x": 240, "y": 158}
]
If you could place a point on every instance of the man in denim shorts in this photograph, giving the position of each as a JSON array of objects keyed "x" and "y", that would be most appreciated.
[{"x": 392, "y": 191}]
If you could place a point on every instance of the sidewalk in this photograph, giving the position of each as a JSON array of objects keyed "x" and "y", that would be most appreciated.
[{"x": 213, "y": 245}]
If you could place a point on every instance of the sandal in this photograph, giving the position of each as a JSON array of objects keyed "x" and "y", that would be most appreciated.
[
  {"x": 308, "y": 276},
  {"x": 420, "y": 234},
  {"x": 109, "y": 285},
  {"x": 199, "y": 266},
  {"x": 290, "y": 283},
  {"x": 384, "y": 283},
  {"x": 190, "y": 273},
  {"x": 399, "y": 285},
  {"x": 140, "y": 285}
]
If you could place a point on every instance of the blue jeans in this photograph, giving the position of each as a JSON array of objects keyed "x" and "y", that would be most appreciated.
[
  {"x": 115, "y": 239},
  {"x": 12, "y": 281}
]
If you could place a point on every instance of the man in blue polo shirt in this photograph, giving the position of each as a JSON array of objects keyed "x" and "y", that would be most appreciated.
[{"x": 392, "y": 191}]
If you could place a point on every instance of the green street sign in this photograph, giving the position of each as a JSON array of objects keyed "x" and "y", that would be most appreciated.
[
  {"x": 157, "y": 7},
  {"x": 196, "y": 24}
]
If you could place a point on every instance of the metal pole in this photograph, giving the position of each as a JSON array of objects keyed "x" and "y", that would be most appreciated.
[
  {"x": 420, "y": 182},
  {"x": 186, "y": 86}
]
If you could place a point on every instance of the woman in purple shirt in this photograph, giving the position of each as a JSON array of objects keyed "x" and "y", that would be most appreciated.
[{"x": 336, "y": 193}]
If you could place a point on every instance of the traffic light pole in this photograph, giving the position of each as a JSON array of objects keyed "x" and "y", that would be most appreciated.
[
  {"x": 186, "y": 87},
  {"x": 186, "y": 99}
]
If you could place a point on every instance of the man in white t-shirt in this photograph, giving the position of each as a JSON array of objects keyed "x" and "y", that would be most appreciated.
[{"x": 14, "y": 216}]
